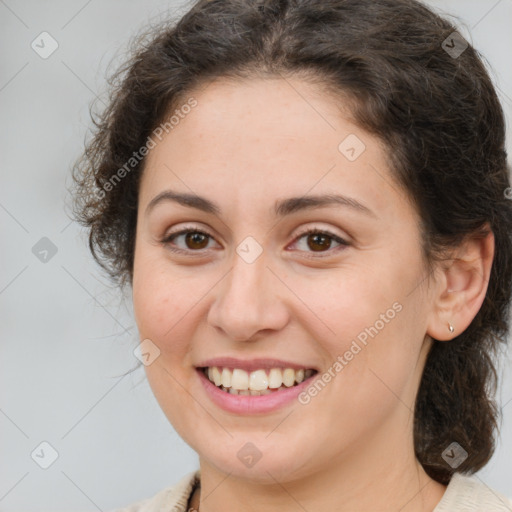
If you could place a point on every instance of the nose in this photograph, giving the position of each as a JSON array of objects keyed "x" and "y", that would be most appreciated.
[{"x": 249, "y": 301}]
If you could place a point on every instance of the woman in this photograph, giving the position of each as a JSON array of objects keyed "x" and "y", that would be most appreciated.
[{"x": 310, "y": 203}]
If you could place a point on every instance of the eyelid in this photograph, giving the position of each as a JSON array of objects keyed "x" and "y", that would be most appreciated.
[
  {"x": 185, "y": 229},
  {"x": 318, "y": 229}
]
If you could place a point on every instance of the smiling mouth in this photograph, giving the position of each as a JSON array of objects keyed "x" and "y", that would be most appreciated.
[{"x": 259, "y": 382}]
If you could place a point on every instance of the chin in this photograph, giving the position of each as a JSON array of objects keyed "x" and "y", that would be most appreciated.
[{"x": 258, "y": 460}]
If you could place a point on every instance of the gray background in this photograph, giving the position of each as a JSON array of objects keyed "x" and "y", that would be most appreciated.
[{"x": 66, "y": 336}]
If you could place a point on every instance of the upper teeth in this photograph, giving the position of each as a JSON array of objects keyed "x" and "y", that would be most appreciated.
[{"x": 257, "y": 380}]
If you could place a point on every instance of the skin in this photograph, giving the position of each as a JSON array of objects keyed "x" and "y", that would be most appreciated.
[{"x": 246, "y": 145}]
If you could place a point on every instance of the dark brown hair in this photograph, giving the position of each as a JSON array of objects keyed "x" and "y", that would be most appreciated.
[{"x": 436, "y": 112}]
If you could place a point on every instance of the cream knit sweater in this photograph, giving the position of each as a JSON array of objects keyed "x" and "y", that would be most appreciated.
[{"x": 463, "y": 494}]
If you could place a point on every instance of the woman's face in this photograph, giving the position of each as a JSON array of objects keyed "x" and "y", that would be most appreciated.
[{"x": 257, "y": 289}]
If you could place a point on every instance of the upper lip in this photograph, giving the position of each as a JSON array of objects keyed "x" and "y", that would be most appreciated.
[{"x": 252, "y": 364}]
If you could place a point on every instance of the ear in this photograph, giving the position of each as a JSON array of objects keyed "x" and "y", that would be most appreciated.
[{"x": 461, "y": 285}]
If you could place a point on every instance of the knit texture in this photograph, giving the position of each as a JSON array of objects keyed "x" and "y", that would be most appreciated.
[{"x": 463, "y": 494}]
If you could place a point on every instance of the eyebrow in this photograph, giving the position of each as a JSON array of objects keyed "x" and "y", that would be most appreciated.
[{"x": 282, "y": 207}]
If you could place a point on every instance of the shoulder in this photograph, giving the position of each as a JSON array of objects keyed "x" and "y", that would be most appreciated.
[
  {"x": 469, "y": 494},
  {"x": 173, "y": 498}
]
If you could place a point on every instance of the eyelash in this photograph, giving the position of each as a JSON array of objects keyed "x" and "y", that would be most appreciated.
[{"x": 190, "y": 229}]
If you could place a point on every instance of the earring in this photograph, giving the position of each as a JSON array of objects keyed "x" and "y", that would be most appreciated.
[{"x": 450, "y": 328}]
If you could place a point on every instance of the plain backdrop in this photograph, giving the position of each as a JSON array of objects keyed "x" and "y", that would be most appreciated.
[{"x": 66, "y": 337}]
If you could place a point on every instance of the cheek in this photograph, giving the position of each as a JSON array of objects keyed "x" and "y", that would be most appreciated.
[
  {"x": 163, "y": 309},
  {"x": 349, "y": 301},
  {"x": 374, "y": 332},
  {"x": 159, "y": 300}
]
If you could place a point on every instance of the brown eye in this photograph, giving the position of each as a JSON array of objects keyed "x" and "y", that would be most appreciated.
[
  {"x": 190, "y": 240},
  {"x": 319, "y": 241},
  {"x": 196, "y": 240}
]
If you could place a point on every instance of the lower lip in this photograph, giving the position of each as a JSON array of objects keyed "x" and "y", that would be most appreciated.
[{"x": 250, "y": 404}]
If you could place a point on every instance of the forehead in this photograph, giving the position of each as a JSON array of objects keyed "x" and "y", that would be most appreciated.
[
  {"x": 253, "y": 140},
  {"x": 272, "y": 109}
]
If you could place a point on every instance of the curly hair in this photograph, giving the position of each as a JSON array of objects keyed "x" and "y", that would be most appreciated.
[{"x": 436, "y": 112}]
